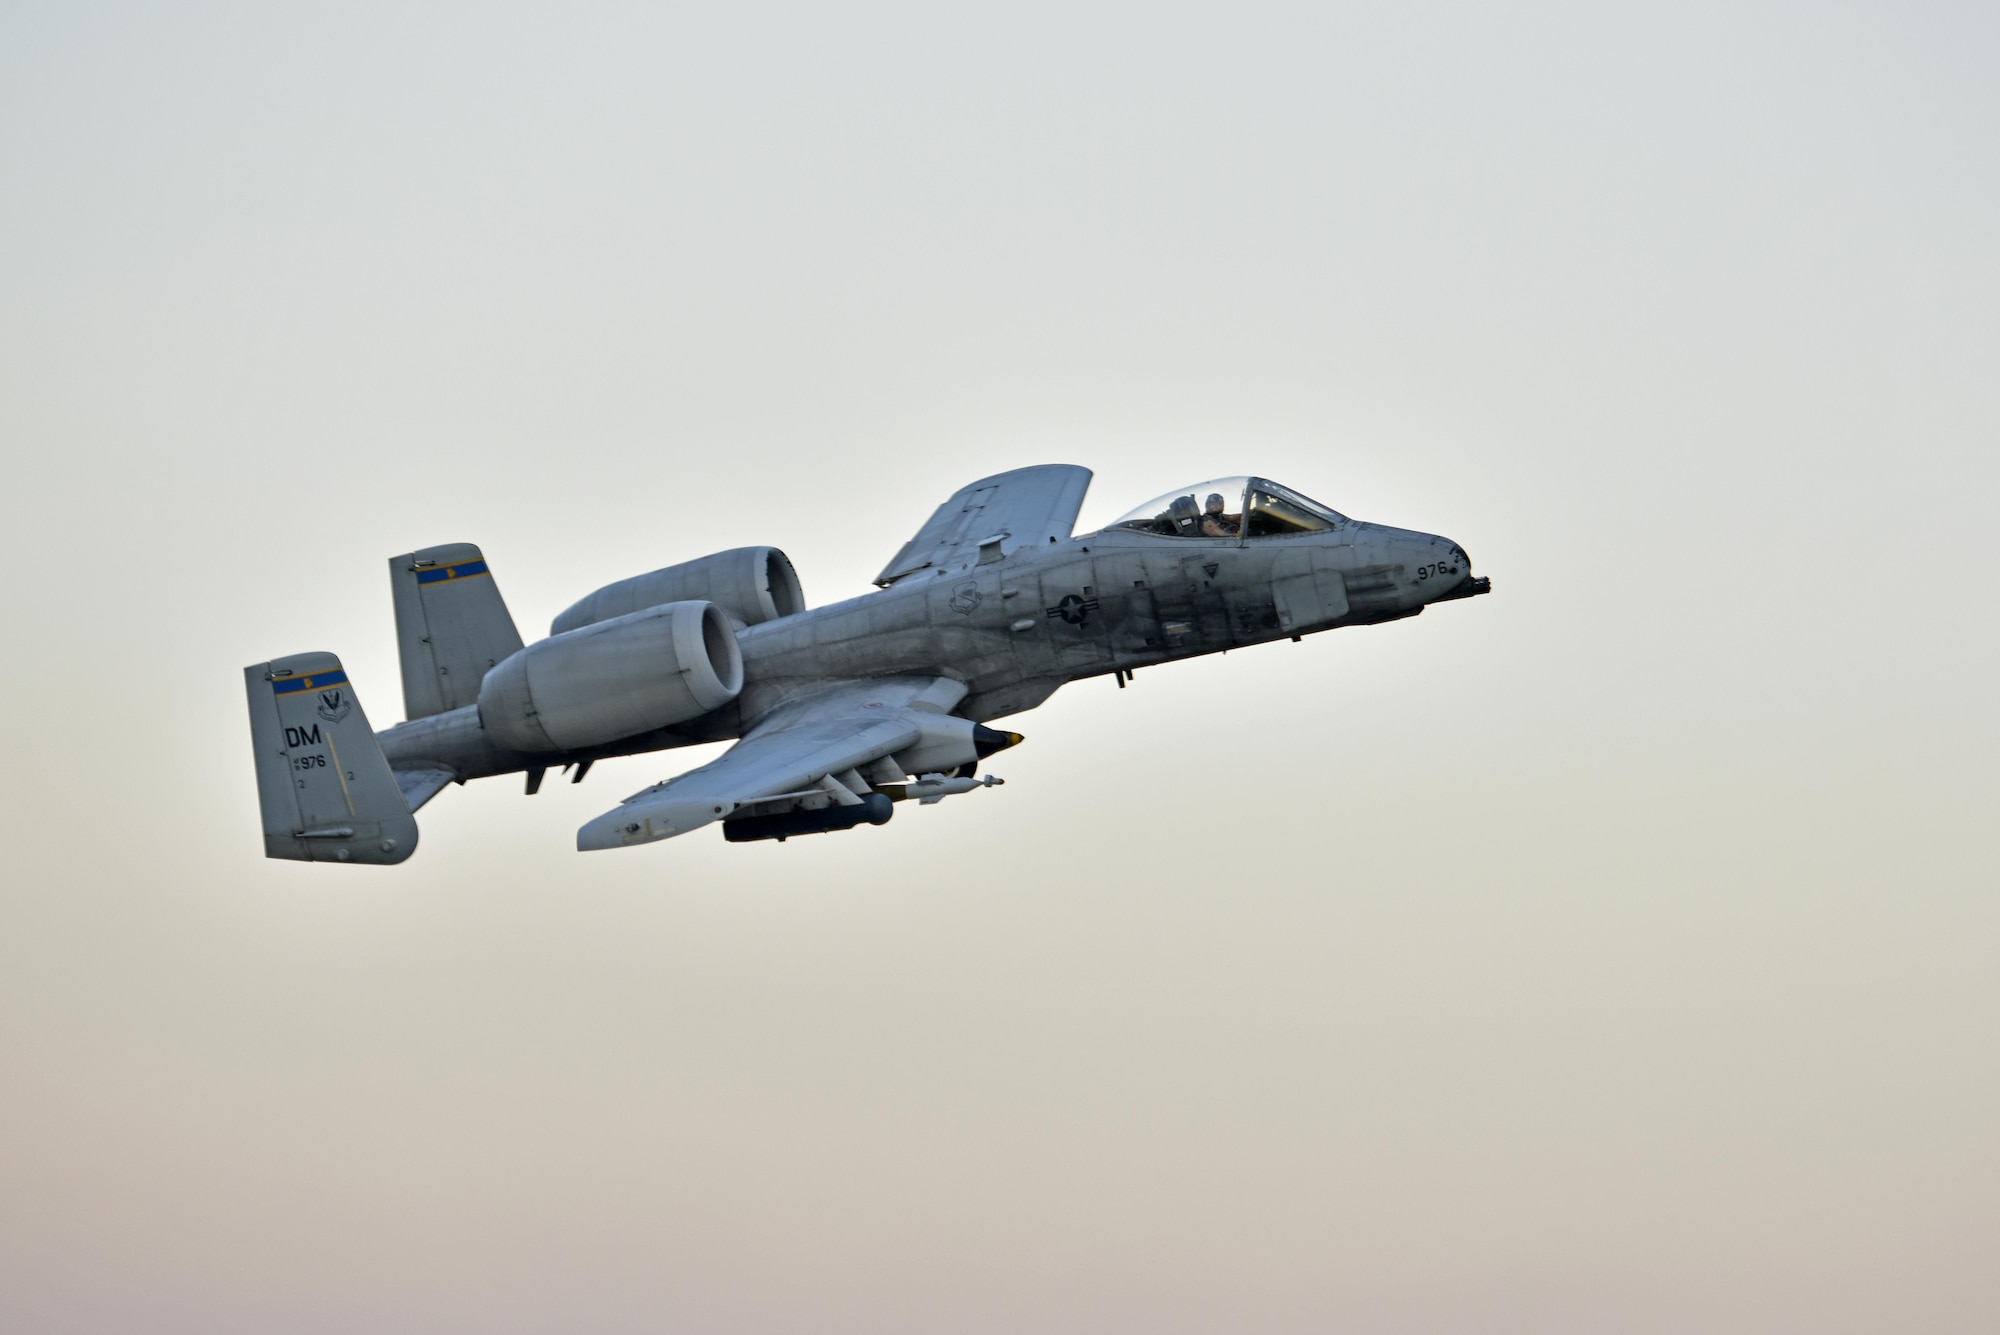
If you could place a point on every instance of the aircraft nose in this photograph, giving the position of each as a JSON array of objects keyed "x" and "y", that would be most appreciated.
[{"x": 1452, "y": 568}]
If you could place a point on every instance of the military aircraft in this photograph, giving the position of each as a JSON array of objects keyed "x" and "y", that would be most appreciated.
[{"x": 838, "y": 712}]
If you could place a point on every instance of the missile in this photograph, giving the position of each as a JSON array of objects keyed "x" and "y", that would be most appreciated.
[{"x": 935, "y": 788}]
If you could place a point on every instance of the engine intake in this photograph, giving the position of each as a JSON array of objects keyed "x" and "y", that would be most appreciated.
[
  {"x": 751, "y": 584},
  {"x": 614, "y": 679}
]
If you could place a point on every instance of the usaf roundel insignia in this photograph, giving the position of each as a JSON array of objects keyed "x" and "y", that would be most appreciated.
[{"x": 1073, "y": 609}]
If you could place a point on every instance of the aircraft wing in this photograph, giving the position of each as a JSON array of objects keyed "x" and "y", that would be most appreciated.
[
  {"x": 1025, "y": 507},
  {"x": 847, "y": 725},
  {"x": 421, "y": 785}
]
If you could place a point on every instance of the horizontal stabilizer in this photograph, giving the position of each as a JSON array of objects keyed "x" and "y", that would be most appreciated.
[{"x": 421, "y": 785}]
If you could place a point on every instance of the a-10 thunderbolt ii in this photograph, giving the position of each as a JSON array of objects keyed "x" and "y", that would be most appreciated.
[{"x": 839, "y": 712}]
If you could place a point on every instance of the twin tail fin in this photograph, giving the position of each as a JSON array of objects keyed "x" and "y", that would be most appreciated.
[
  {"x": 327, "y": 793},
  {"x": 452, "y": 626},
  {"x": 326, "y": 790}
]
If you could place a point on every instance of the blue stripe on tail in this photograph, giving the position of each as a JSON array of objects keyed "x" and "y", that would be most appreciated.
[
  {"x": 318, "y": 681},
  {"x": 438, "y": 574}
]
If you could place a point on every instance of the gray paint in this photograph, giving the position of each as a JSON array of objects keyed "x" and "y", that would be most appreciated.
[
  {"x": 452, "y": 626},
  {"x": 1025, "y": 508},
  {"x": 977, "y": 630},
  {"x": 751, "y": 584},
  {"x": 612, "y": 679},
  {"x": 324, "y": 788}
]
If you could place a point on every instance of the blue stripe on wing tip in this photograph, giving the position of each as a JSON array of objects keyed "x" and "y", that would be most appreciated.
[
  {"x": 463, "y": 570},
  {"x": 318, "y": 681}
]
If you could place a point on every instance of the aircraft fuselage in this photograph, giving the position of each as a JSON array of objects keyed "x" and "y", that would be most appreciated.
[{"x": 1018, "y": 628}]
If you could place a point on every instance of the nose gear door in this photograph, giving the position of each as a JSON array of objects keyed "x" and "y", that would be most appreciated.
[{"x": 1307, "y": 590}]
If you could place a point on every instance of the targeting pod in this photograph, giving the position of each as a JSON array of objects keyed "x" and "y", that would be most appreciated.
[{"x": 874, "y": 809}]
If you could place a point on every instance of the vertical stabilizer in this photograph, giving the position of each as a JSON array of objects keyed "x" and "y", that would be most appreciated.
[
  {"x": 452, "y": 626},
  {"x": 327, "y": 793}
]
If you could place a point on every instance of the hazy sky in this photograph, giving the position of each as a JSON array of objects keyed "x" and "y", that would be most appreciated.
[{"x": 1615, "y": 953}]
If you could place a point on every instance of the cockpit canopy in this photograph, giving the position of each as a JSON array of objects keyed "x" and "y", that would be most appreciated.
[{"x": 1230, "y": 507}]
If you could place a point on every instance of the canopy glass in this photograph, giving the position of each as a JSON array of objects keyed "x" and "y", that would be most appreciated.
[{"x": 1231, "y": 507}]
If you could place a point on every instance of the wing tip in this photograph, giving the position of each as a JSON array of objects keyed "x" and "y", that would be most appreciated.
[{"x": 648, "y": 822}]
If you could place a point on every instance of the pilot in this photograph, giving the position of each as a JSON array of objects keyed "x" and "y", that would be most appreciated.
[{"x": 1214, "y": 523}]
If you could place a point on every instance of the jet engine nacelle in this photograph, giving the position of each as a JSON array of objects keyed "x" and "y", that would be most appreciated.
[
  {"x": 750, "y": 584},
  {"x": 613, "y": 679}
]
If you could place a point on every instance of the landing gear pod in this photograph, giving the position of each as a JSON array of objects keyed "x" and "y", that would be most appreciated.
[
  {"x": 615, "y": 679},
  {"x": 948, "y": 744}
]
